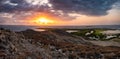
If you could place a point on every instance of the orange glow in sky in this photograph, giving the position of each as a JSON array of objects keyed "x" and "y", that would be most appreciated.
[{"x": 44, "y": 19}]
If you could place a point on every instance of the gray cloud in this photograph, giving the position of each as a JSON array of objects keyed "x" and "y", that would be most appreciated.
[
  {"x": 3, "y": 20},
  {"x": 86, "y": 7},
  {"x": 20, "y": 5}
]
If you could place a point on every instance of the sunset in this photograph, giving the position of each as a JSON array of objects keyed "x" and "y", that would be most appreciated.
[
  {"x": 59, "y": 29},
  {"x": 70, "y": 12},
  {"x": 44, "y": 21}
]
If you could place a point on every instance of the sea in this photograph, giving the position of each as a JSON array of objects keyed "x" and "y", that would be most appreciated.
[{"x": 23, "y": 27}]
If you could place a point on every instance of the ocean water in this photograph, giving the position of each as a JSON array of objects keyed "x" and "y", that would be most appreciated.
[
  {"x": 16, "y": 27},
  {"x": 111, "y": 32},
  {"x": 22, "y": 28}
]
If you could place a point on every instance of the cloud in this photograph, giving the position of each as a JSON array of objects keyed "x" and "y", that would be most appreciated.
[
  {"x": 59, "y": 8},
  {"x": 86, "y": 7},
  {"x": 22, "y": 5},
  {"x": 2, "y": 21}
]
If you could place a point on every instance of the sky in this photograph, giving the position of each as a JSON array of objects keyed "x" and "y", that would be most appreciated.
[{"x": 59, "y": 12}]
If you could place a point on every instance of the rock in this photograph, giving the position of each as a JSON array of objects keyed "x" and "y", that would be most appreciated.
[{"x": 50, "y": 45}]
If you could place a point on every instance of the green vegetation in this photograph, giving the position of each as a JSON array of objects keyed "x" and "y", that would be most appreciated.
[
  {"x": 81, "y": 32},
  {"x": 94, "y": 34},
  {"x": 97, "y": 34}
]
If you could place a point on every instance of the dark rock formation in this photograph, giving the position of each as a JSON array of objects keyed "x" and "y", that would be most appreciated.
[{"x": 56, "y": 44}]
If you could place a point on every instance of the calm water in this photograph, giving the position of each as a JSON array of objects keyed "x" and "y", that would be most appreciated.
[
  {"x": 70, "y": 31},
  {"x": 22, "y": 28},
  {"x": 111, "y": 32},
  {"x": 39, "y": 30}
]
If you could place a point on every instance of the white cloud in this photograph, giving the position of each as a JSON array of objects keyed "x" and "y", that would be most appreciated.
[
  {"x": 37, "y": 2},
  {"x": 8, "y": 2}
]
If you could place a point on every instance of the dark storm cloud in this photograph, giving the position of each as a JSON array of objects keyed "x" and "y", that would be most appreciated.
[
  {"x": 87, "y": 7},
  {"x": 14, "y": 5},
  {"x": 20, "y": 5}
]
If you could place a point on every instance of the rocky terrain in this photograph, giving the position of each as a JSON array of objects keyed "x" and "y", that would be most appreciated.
[{"x": 51, "y": 44}]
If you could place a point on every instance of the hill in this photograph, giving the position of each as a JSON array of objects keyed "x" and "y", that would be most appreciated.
[{"x": 51, "y": 44}]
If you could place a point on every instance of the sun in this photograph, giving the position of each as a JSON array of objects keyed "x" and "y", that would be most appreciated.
[{"x": 45, "y": 21}]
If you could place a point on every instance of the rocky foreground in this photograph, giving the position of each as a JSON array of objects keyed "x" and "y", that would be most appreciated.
[{"x": 52, "y": 44}]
